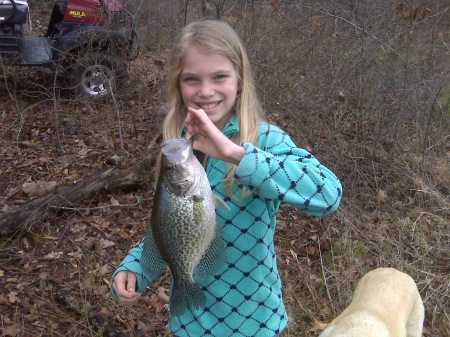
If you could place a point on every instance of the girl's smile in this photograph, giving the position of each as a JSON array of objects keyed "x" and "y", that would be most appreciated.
[
  {"x": 209, "y": 81},
  {"x": 207, "y": 106}
]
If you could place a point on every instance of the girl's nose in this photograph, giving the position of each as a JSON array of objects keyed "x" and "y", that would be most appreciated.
[{"x": 206, "y": 89}]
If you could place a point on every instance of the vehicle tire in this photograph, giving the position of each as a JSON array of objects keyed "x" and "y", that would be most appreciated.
[{"x": 98, "y": 76}]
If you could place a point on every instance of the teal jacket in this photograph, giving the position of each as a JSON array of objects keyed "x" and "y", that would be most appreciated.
[{"x": 245, "y": 298}]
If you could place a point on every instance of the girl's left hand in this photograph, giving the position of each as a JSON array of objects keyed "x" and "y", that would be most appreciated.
[{"x": 209, "y": 139}]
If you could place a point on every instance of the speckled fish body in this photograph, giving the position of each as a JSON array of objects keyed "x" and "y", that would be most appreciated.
[{"x": 183, "y": 226}]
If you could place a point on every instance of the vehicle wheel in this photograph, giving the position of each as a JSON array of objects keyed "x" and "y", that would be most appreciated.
[{"x": 98, "y": 76}]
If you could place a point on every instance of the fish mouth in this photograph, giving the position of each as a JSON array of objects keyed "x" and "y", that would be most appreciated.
[
  {"x": 185, "y": 181},
  {"x": 177, "y": 150}
]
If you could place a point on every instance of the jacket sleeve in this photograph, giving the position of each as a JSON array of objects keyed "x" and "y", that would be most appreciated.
[
  {"x": 132, "y": 262},
  {"x": 278, "y": 169}
]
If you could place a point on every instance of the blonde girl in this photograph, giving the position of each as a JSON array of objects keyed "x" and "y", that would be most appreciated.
[{"x": 253, "y": 166}]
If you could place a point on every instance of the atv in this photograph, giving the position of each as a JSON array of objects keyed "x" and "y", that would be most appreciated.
[{"x": 88, "y": 43}]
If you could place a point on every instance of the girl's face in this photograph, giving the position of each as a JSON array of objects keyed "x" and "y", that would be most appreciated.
[{"x": 208, "y": 81}]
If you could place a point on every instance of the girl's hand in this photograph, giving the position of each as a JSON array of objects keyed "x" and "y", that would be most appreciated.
[
  {"x": 209, "y": 139},
  {"x": 124, "y": 285}
]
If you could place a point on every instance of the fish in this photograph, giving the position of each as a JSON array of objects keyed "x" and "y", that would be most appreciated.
[{"x": 183, "y": 232}]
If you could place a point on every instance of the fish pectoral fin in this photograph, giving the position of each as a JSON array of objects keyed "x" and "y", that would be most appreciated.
[
  {"x": 214, "y": 257},
  {"x": 199, "y": 209},
  {"x": 197, "y": 198},
  {"x": 219, "y": 203},
  {"x": 151, "y": 260}
]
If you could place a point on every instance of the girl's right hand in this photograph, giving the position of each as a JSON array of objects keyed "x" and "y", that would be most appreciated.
[
  {"x": 125, "y": 286},
  {"x": 209, "y": 139}
]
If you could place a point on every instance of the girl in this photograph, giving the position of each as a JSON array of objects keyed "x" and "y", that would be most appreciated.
[{"x": 252, "y": 165}]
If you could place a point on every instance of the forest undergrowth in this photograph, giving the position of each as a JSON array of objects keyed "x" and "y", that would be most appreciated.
[{"x": 362, "y": 85}]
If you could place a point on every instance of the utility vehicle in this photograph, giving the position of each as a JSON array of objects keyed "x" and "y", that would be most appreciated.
[{"x": 87, "y": 42}]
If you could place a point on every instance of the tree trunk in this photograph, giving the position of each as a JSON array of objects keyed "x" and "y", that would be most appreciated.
[{"x": 106, "y": 179}]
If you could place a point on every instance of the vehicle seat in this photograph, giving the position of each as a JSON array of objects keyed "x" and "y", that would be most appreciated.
[
  {"x": 9, "y": 15},
  {"x": 59, "y": 9}
]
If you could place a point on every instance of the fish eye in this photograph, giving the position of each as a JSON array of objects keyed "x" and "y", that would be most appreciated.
[{"x": 169, "y": 167}]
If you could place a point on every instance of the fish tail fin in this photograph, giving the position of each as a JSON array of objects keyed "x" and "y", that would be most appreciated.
[{"x": 186, "y": 295}]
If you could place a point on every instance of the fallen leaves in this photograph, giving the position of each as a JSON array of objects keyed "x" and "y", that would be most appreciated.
[
  {"x": 106, "y": 243},
  {"x": 53, "y": 255},
  {"x": 12, "y": 297},
  {"x": 157, "y": 303},
  {"x": 11, "y": 330}
]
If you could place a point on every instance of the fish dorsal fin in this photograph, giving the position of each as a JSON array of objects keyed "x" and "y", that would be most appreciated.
[{"x": 219, "y": 203}]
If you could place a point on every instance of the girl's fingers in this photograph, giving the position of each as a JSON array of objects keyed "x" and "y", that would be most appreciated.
[
  {"x": 131, "y": 282},
  {"x": 130, "y": 300},
  {"x": 197, "y": 117},
  {"x": 124, "y": 285}
]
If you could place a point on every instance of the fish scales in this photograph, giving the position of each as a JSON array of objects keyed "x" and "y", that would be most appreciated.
[
  {"x": 181, "y": 242},
  {"x": 183, "y": 232}
]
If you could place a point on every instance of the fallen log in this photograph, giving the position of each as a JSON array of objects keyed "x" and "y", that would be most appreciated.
[{"x": 106, "y": 179}]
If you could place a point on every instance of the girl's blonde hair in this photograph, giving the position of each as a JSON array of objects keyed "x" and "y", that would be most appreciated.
[{"x": 213, "y": 36}]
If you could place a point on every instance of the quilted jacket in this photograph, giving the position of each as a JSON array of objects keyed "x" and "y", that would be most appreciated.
[{"x": 245, "y": 298}]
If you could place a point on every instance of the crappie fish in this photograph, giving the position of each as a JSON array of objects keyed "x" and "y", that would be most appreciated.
[{"x": 183, "y": 232}]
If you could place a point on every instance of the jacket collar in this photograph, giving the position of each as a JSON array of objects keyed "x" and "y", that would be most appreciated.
[{"x": 231, "y": 126}]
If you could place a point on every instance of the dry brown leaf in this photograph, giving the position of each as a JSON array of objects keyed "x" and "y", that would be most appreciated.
[
  {"x": 294, "y": 255},
  {"x": 352, "y": 272},
  {"x": 426, "y": 331},
  {"x": 78, "y": 254},
  {"x": 311, "y": 250},
  {"x": 157, "y": 303},
  {"x": 129, "y": 325},
  {"x": 54, "y": 255},
  {"x": 141, "y": 326},
  {"x": 103, "y": 270},
  {"x": 114, "y": 202},
  {"x": 382, "y": 195},
  {"x": 107, "y": 281},
  {"x": 12, "y": 330},
  {"x": 106, "y": 243},
  {"x": 12, "y": 297},
  {"x": 318, "y": 326}
]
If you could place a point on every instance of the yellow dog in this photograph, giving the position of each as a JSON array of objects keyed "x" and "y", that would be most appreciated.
[{"x": 386, "y": 303}]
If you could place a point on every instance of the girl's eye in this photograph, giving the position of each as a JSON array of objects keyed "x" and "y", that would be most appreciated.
[
  {"x": 190, "y": 80},
  {"x": 221, "y": 77}
]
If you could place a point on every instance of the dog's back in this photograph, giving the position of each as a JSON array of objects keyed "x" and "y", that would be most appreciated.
[{"x": 386, "y": 303}]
